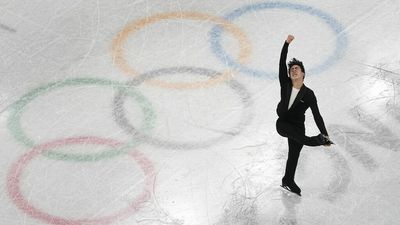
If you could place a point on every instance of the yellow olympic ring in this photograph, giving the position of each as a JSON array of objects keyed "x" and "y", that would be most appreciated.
[{"x": 122, "y": 36}]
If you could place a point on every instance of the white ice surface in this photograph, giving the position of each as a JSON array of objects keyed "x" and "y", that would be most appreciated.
[{"x": 207, "y": 155}]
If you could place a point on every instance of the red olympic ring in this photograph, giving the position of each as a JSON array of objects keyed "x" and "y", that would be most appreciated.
[{"x": 16, "y": 171}]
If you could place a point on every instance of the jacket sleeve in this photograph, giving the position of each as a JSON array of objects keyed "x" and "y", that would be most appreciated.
[
  {"x": 317, "y": 116},
  {"x": 283, "y": 73}
]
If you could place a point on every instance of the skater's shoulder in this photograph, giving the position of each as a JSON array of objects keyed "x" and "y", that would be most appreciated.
[
  {"x": 311, "y": 90},
  {"x": 307, "y": 89},
  {"x": 309, "y": 93}
]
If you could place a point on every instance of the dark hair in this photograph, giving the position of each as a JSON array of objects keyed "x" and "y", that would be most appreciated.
[{"x": 294, "y": 61}]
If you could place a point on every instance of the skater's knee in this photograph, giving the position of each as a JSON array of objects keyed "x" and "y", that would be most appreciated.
[{"x": 281, "y": 128}]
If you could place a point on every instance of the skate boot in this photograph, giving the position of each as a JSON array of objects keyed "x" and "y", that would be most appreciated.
[
  {"x": 291, "y": 186},
  {"x": 324, "y": 140}
]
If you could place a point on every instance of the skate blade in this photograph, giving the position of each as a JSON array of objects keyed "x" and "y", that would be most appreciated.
[{"x": 288, "y": 191}]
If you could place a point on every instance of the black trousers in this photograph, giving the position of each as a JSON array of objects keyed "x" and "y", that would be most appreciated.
[{"x": 295, "y": 132}]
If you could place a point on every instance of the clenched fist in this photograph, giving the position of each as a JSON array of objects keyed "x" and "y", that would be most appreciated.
[{"x": 289, "y": 38}]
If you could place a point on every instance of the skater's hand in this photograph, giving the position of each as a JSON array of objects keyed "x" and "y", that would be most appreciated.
[
  {"x": 329, "y": 142},
  {"x": 289, "y": 38}
]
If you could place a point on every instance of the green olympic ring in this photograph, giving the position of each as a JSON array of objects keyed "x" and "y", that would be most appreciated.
[{"x": 17, "y": 108}]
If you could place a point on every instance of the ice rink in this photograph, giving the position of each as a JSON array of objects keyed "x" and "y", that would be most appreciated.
[{"x": 162, "y": 112}]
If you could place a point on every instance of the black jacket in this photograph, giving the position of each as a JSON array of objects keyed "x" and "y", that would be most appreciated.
[{"x": 305, "y": 98}]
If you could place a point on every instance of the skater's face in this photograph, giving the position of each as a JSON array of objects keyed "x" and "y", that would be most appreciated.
[{"x": 296, "y": 73}]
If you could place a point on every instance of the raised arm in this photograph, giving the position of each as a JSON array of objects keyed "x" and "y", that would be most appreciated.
[{"x": 283, "y": 73}]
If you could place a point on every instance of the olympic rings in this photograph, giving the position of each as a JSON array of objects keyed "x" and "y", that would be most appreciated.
[
  {"x": 120, "y": 60},
  {"x": 341, "y": 39},
  {"x": 18, "y": 107},
  {"x": 122, "y": 121},
  {"x": 141, "y": 134},
  {"x": 17, "y": 169}
]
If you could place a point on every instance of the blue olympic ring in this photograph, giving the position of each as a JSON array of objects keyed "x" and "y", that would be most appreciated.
[{"x": 341, "y": 39}]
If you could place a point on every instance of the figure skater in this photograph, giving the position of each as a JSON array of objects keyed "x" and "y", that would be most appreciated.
[{"x": 296, "y": 98}]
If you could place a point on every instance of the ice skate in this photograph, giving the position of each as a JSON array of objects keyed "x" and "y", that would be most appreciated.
[
  {"x": 325, "y": 140},
  {"x": 292, "y": 188}
]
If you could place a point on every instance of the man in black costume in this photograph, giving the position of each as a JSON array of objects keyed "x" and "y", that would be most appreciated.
[{"x": 296, "y": 98}]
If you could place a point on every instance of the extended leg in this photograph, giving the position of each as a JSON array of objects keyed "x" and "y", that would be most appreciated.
[{"x": 291, "y": 131}]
